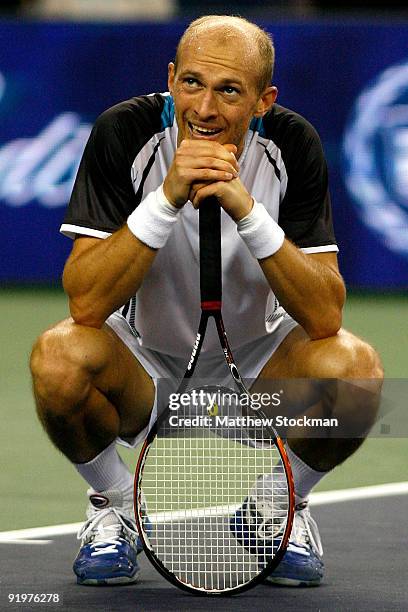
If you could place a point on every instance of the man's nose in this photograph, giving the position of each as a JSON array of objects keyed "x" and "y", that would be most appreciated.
[{"x": 206, "y": 105}]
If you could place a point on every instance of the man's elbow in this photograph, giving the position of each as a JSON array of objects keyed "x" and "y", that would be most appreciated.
[
  {"x": 83, "y": 308},
  {"x": 85, "y": 314},
  {"x": 328, "y": 321},
  {"x": 326, "y": 325}
]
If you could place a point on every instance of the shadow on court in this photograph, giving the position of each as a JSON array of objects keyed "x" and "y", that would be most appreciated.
[{"x": 366, "y": 556}]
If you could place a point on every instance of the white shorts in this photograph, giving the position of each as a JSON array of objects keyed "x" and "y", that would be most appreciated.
[{"x": 249, "y": 358}]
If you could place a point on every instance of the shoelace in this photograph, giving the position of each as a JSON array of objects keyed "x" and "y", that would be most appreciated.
[
  {"x": 265, "y": 499},
  {"x": 305, "y": 530},
  {"x": 106, "y": 537}
]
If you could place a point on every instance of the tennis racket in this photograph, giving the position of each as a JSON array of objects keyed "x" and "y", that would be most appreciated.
[{"x": 214, "y": 496}]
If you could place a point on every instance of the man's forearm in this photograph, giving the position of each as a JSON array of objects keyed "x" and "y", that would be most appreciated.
[
  {"x": 312, "y": 292},
  {"x": 101, "y": 278}
]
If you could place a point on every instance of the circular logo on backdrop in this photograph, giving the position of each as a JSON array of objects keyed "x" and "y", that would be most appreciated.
[{"x": 376, "y": 156}]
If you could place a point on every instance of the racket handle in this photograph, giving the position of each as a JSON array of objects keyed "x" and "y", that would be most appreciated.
[{"x": 210, "y": 254}]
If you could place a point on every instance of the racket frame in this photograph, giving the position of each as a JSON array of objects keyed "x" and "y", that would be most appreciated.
[{"x": 211, "y": 305}]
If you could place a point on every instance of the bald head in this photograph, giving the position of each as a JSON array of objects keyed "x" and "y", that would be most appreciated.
[{"x": 225, "y": 28}]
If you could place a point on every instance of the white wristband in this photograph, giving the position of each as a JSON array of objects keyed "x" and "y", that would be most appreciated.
[
  {"x": 153, "y": 220},
  {"x": 260, "y": 232}
]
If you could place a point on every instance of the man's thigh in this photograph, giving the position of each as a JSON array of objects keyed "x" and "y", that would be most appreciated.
[
  {"x": 131, "y": 389},
  {"x": 301, "y": 365},
  {"x": 286, "y": 371},
  {"x": 341, "y": 356},
  {"x": 77, "y": 361},
  {"x": 283, "y": 364}
]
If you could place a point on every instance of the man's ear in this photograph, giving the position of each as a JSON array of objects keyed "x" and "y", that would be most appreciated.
[
  {"x": 266, "y": 101},
  {"x": 170, "y": 78}
]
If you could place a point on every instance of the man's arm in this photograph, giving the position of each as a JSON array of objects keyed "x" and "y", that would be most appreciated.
[
  {"x": 309, "y": 287},
  {"x": 101, "y": 275}
]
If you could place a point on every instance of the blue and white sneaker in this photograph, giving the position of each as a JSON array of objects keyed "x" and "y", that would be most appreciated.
[
  {"x": 254, "y": 525},
  {"x": 258, "y": 530},
  {"x": 110, "y": 541},
  {"x": 302, "y": 564}
]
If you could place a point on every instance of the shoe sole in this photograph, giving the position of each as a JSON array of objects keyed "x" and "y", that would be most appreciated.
[
  {"x": 117, "y": 579},
  {"x": 109, "y": 581},
  {"x": 292, "y": 582}
]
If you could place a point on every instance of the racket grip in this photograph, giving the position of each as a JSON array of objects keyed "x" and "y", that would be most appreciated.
[{"x": 210, "y": 254}]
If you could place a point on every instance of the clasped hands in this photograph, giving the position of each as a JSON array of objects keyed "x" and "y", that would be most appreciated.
[{"x": 204, "y": 168}]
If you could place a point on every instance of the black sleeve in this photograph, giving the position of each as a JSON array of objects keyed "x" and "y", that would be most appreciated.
[
  {"x": 305, "y": 211},
  {"x": 103, "y": 195}
]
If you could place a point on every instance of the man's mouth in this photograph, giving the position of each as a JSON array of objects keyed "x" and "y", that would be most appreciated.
[{"x": 198, "y": 130}]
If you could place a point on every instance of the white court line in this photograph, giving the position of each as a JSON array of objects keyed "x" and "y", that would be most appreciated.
[
  {"x": 316, "y": 499},
  {"x": 344, "y": 495},
  {"x": 39, "y": 532},
  {"x": 23, "y": 541}
]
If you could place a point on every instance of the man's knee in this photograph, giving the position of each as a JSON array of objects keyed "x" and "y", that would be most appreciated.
[
  {"x": 345, "y": 356},
  {"x": 62, "y": 365},
  {"x": 354, "y": 372},
  {"x": 356, "y": 396}
]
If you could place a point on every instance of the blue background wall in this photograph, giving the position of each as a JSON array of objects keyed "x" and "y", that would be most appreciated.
[{"x": 346, "y": 78}]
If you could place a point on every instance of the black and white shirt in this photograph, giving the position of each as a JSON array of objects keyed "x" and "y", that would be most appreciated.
[{"x": 128, "y": 155}]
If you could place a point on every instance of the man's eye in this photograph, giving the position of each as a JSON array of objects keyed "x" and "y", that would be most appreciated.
[
  {"x": 230, "y": 90},
  {"x": 191, "y": 82}
]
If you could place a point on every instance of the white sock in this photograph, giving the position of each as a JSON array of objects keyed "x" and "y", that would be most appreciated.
[
  {"x": 304, "y": 477},
  {"x": 107, "y": 471}
]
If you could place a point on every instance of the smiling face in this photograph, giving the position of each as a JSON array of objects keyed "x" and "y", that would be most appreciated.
[{"x": 215, "y": 87}]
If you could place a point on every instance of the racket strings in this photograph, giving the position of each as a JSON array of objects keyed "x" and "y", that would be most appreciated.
[{"x": 218, "y": 499}]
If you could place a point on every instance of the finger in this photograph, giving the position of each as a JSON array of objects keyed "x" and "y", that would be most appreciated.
[
  {"x": 213, "y": 189},
  {"x": 204, "y": 176},
  {"x": 192, "y": 194},
  {"x": 209, "y": 149},
  {"x": 196, "y": 187},
  {"x": 212, "y": 163},
  {"x": 232, "y": 149}
]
